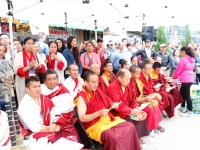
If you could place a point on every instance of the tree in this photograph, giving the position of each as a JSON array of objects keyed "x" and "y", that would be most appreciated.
[
  {"x": 187, "y": 38},
  {"x": 161, "y": 37}
]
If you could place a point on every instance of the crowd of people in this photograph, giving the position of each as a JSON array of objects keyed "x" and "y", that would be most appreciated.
[{"x": 120, "y": 92}]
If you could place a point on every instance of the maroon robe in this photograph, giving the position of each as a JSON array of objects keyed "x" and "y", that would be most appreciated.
[
  {"x": 66, "y": 129},
  {"x": 174, "y": 92},
  {"x": 153, "y": 114},
  {"x": 114, "y": 91},
  {"x": 121, "y": 136},
  {"x": 149, "y": 88},
  {"x": 102, "y": 84}
]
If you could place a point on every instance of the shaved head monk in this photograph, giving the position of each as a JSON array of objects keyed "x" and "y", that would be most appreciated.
[
  {"x": 96, "y": 69},
  {"x": 94, "y": 112},
  {"x": 120, "y": 91}
]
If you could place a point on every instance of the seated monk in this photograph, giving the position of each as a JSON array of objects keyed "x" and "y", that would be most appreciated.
[
  {"x": 74, "y": 83},
  {"x": 38, "y": 114},
  {"x": 119, "y": 91},
  {"x": 153, "y": 111},
  {"x": 108, "y": 76},
  {"x": 94, "y": 112},
  {"x": 149, "y": 87},
  {"x": 96, "y": 69},
  {"x": 160, "y": 78}
]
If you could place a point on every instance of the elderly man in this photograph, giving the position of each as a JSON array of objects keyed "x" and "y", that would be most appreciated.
[
  {"x": 94, "y": 112},
  {"x": 38, "y": 114},
  {"x": 96, "y": 69},
  {"x": 119, "y": 91},
  {"x": 74, "y": 82},
  {"x": 166, "y": 59}
]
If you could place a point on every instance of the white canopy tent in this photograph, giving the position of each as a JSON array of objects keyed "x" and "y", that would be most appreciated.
[{"x": 108, "y": 13}]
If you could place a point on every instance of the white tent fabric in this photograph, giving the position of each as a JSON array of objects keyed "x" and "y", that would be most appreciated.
[{"x": 108, "y": 13}]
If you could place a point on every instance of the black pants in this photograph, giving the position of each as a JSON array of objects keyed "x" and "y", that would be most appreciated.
[{"x": 185, "y": 92}]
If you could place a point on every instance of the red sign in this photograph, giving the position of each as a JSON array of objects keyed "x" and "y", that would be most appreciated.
[
  {"x": 58, "y": 32},
  {"x": 5, "y": 27}
]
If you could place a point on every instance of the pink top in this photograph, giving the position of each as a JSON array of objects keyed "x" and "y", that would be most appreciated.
[
  {"x": 87, "y": 61},
  {"x": 185, "y": 69}
]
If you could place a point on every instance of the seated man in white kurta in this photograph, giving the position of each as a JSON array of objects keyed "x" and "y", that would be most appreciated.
[
  {"x": 59, "y": 95},
  {"x": 38, "y": 114},
  {"x": 74, "y": 83}
]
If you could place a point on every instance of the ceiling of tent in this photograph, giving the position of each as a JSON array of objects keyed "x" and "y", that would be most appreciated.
[{"x": 108, "y": 13}]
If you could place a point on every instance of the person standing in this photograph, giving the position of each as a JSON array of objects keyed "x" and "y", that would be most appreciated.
[
  {"x": 184, "y": 72},
  {"x": 72, "y": 55},
  {"x": 44, "y": 48}
]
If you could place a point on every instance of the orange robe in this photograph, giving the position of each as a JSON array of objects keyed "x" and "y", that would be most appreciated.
[
  {"x": 116, "y": 93},
  {"x": 120, "y": 136},
  {"x": 110, "y": 77},
  {"x": 153, "y": 114}
]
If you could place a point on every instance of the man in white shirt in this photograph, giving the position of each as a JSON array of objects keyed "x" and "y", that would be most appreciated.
[
  {"x": 59, "y": 94},
  {"x": 38, "y": 114},
  {"x": 74, "y": 83}
]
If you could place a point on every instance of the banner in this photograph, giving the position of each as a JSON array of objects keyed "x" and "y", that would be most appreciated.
[{"x": 18, "y": 26}]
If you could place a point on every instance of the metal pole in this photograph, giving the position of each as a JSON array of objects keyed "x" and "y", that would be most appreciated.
[
  {"x": 10, "y": 15},
  {"x": 95, "y": 29}
]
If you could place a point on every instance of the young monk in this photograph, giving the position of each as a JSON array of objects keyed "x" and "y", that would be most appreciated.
[
  {"x": 94, "y": 112},
  {"x": 108, "y": 76},
  {"x": 153, "y": 112}
]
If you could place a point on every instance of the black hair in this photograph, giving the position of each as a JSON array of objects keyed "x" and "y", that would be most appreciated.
[
  {"x": 134, "y": 56},
  {"x": 63, "y": 45},
  {"x": 107, "y": 62},
  {"x": 31, "y": 79},
  {"x": 87, "y": 75},
  {"x": 124, "y": 39},
  {"x": 133, "y": 68},
  {"x": 156, "y": 65},
  {"x": 188, "y": 50},
  {"x": 26, "y": 39},
  {"x": 122, "y": 62},
  {"x": 48, "y": 72},
  {"x": 99, "y": 40},
  {"x": 75, "y": 50},
  {"x": 144, "y": 63},
  {"x": 174, "y": 51},
  {"x": 147, "y": 41},
  {"x": 54, "y": 43},
  {"x": 128, "y": 44}
]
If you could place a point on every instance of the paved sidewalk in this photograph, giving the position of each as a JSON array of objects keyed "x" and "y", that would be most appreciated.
[{"x": 181, "y": 133}]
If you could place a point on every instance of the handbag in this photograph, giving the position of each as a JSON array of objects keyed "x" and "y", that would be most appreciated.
[{"x": 40, "y": 75}]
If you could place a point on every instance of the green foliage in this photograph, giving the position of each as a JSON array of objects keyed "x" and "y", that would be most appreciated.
[
  {"x": 187, "y": 38},
  {"x": 161, "y": 37}
]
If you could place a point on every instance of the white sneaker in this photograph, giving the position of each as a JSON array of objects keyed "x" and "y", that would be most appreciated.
[
  {"x": 152, "y": 133},
  {"x": 182, "y": 109},
  {"x": 187, "y": 114}
]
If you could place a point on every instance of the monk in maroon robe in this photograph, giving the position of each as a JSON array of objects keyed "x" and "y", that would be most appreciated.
[
  {"x": 160, "y": 78},
  {"x": 96, "y": 69},
  {"x": 94, "y": 112},
  {"x": 149, "y": 87},
  {"x": 120, "y": 91},
  {"x": 136, "y": 85}
]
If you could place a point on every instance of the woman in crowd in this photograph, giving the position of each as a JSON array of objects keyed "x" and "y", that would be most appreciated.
[
  {"x": 108, "y": 75},
  {"x": 36, "y": 50},
  {"x": 175, "y": 61},
  {"x": 61, "y": 45},
  {"x": 25, "y": 65},
  {"x": 56, "y": 61},
  {"x": 6, "y": 74},
  {"x": 72, "y": 55},
  {"x": 184, "y": 72},
  {"x": 17, "y": 45},
  {"x": 89, "y": 57}
]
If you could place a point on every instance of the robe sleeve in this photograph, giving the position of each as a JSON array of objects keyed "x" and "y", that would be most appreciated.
[
  {"x": 18, "y": 65},
  {"x": 62, "y": 65},
  {"x": 114, "y": 95}
]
